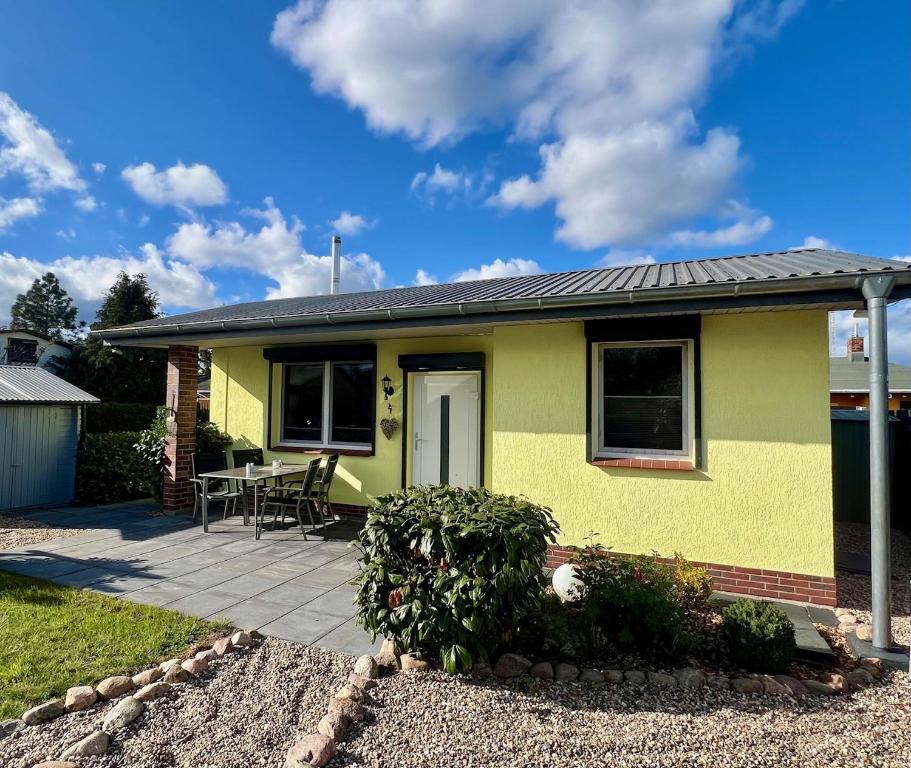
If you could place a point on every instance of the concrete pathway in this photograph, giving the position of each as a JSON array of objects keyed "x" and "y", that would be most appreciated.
[{"x": 280, "y": 585}]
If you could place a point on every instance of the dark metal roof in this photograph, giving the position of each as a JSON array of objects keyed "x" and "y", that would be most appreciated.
[
  {"x": 846, "y": 375},
  {"x": 30, "y": 384},
  {"x": 774, "y": 271}
]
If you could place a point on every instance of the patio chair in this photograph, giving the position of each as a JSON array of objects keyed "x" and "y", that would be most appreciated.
[
  {"x": 243, "y": 456},
  {"x": 322, "y": 486},
  {"x": 219, "y": 490},
  {"x": 288, "y": 499}
]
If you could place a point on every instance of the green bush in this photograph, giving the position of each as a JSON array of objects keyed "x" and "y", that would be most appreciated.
[
  {"x": 119, "y": 417},
  {"x": 452, "y": 573},
  {"x": 759, "y": 637},
  {"x": 210, "y": 439},
  {"x": 150, "y": 446},
  {"x": 109, "y": 469}
]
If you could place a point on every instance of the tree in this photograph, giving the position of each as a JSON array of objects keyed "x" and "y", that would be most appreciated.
[
  {"x": 45, "y": 308},
  {"x": 122, "y": 374}
]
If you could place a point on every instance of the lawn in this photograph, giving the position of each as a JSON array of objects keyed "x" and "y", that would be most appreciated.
[{"x": 53, "y": 637}]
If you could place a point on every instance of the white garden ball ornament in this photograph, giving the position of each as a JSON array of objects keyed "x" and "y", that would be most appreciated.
[{"x": 566, "y": 583}]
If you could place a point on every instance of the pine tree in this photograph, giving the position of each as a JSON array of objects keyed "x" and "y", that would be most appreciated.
[
  {"x": 45, "y": 308},
  {"x": 122, "y": 374}
]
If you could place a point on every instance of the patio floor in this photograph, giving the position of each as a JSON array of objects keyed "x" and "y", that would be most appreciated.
[{"x": 280, "y": 585}]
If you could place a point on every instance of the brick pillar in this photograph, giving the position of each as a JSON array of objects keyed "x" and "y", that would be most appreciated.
[{"x": 181, "y": 439}]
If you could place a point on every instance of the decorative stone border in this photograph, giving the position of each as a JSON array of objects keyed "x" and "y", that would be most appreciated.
[
  {"x": 133, "y": 694},
  {"x": 868, "y": 672}
]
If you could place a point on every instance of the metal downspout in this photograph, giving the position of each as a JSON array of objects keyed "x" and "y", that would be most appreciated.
[{"x": 876, "y": 290}]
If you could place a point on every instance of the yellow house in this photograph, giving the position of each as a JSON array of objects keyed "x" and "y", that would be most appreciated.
[{"x": 680, "y": 407}]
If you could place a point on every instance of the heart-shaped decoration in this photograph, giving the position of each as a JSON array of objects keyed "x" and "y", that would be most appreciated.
[{"x": 389, "y": 427}]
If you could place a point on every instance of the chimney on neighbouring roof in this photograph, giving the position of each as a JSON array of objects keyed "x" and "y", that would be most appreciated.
[
  {"x": 337, "y": 264},
  {"x": 855, "y": 346}
]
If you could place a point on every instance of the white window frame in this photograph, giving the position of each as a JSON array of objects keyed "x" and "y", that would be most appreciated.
[
  {"x": 608, "y": 452},
  {"x": 324, "y": 441}
]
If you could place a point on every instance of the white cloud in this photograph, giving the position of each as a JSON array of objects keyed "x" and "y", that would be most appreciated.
[
  {"x": 99, "y": 168},
  {"x": 811, "y": 241},
  {"x": 275, "y": 250},
  {"x": 180, "y": 185},
  {"x": 606, "y": 88},
  {"x": 86, "y": 203},
  {"x": 453, "y": 184},
  {"x": 143, "y": 220},
  {"x": 16, "y": 209},
  {"x": 87, "y": 278},
  {"x": 68, "y": 234},
  {"x": 621, "y": 258},
  {"x": 349, "y": 223},
  {"x": 498, "y": 268},
  {"x": 750, "y": 225},
  {"x": 31, "y": 151},
  {"x": 423, "y": 277}
]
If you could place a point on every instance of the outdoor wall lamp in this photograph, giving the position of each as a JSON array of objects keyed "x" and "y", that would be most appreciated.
[{"x": 388, "y": 391}]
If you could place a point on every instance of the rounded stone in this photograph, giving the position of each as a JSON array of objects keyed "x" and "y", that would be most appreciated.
[
  {"x": 510, "y": 665},
  {"x": 859, "y": 678},
  {"x": 242, "y": 639},
  {"x": 364, "y": 683},
  {"x": 223, "y": 646},
  {"x": 389, "y": 655},
  {"x": 43, "y": 712},
  {"x": 659, "y": 678},
  {"x": 864, "y": 632},
  {"x": 411, "y": 663},
  {"x": 166, "y": 665},
  {"x": 594, "y": 676},
  {"x": 79, "y": 697},
  {"x": 176, "y": 674},
  {"x": 837, "y": 681},
  {"x": 124, "y": 713},
  {"x": 9, "y": 727},
  {"x": 564, "y": 672},
  {"x": 96, "y": 743},
  {"x": 634, "y": 677},
  {"x": 314, "y": 750},
  {"x": 689, "y": 677},
  {"x": 208, "y": 655},
  {"x": 148, "y": 676},
  {"x": 350, "y": 692},
  {"x": 334, "y": 725},
  {"x": 367, "y": 667},
  {"x": 351, "y": 709},
  {"x": 152, "y": 691},
  {"x": 613, "y": 676},
  {"x": 796, "y": 688},
  {"x": 746, "y": 685},
  {"x": 719, "y": 682},
  {"x": 112, "y": 687},
  {"x": 195, "y": 666},
  {"x": 543, "y": 670},
  {"x": 821, "y": 689}
]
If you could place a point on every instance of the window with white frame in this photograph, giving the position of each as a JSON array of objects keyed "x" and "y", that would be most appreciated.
[
  {"x": 328, "y": 404},
  {"x": 643, "y": 399}
]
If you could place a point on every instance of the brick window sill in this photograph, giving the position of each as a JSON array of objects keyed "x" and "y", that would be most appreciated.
[{"x": 673, "y": 465}]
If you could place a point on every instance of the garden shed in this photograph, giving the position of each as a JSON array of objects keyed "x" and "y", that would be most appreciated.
[{"x": 40, "y": 418}]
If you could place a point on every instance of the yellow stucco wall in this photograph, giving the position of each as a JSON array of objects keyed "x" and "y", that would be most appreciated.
[
  {"x": 762, "y": 499},
  {"x": 240, "y": 384}
]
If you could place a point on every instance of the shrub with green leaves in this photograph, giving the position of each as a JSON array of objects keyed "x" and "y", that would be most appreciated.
[
  {"x": 108, "y": 469},
  {"x": 759, "y": 636},
  {"x": 452, "y": 573},
  {"x": 119, "y": 417}
]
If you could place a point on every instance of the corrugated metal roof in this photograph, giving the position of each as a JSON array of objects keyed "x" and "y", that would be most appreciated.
[
  {"x": 854, "y": 376},
  {"x": 773, "y": 268},
  {"x": 30, "y": 384}
]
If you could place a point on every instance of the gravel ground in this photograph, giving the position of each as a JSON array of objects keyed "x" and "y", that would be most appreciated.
[
  {"x": 854, "y": 588},
  {"x": 20, "y": 532},
  {"x": 252, "y": 706},
  {"x": 246, "y": 711}
]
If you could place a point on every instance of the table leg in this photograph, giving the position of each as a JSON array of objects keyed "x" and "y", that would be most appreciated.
[
  {"x": 243, "y": 498},
  {"x": 205, "y": 505}
]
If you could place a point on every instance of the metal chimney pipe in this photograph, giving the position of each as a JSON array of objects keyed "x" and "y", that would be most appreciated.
[{"x": 336, "y": 263}]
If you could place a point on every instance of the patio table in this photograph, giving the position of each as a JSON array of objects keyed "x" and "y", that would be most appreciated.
[{"x": 239, "y": 474}]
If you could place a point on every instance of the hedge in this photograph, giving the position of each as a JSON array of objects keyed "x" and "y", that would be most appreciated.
[
  {"x": 119, "y": 417},
  {"x": 109, "y": 469}
]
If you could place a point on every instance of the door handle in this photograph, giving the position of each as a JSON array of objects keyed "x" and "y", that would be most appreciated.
[{"x": 417, "y": 439}]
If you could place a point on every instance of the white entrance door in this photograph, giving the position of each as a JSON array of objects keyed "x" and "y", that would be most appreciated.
[{"x": 446, "y": 437}]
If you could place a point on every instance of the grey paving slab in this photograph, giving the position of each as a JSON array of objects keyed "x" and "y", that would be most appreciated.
[
  {"x": 250, "y": 584},
  {"x": 294, "y": 595},
  {"x": 206, "y": 602},
  {"x": 351, "y": 638},
  {"x": 84, "y": 577},
  {"x": 253, "y": 613},
  {"x": 337, "y": 602},
  {"x": 322, "y": 577},
  {"x": 120, "y": 585},
  {"x": 302, "y": 625},
  {"x": 204, "y": 578},
  {"x": 160, "y": 593}
]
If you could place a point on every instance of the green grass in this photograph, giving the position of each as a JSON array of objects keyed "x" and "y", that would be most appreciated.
[{"x": 53, "y": 637}]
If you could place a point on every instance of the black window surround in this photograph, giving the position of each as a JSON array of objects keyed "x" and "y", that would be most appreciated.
[
  {"x": 314, "y": 379},
  {"x": 682, "y": 331},
  {"x": 21, "y": 351}
]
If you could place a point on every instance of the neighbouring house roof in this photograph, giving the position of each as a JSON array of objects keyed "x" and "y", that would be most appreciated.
[
  {"x": 764, "y": 279},
  {"x": 853, "y": 376},
  {"x": 21, "y": 384}
]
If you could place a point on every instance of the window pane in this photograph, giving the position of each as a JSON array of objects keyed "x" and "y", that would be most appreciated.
[
  {"x": 646, "y": 423},
  {"x": 303, "y": 403},
  {"x": 352, "y": 403},
  {"x": 643, "y": 371}
]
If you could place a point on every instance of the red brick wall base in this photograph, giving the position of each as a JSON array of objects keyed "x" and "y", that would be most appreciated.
[{"x": 754, "y": 582}]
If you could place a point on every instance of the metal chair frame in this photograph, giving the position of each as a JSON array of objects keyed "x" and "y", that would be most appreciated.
[
  {"x": 289, "y": 498},
  {"x": 212, "y": 462}
]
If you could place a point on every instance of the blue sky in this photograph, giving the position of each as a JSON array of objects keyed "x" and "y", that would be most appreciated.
[{"x": 213, "y": 145}]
